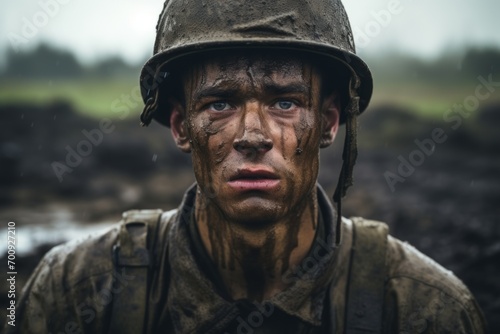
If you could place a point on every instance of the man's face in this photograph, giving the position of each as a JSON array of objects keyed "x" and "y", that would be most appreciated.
[{"x": 255, "y": 124}]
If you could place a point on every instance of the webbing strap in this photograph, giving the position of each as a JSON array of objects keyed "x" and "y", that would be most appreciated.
[
  {"x": 350, "y": 151},
  {"x": 133, "y": 254},
  {"x": 365, "y": 297}
]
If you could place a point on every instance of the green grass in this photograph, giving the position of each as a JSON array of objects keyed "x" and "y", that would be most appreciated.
[
  {"x": 427, "y": 99},
  {"x": 93, "y": 97}
]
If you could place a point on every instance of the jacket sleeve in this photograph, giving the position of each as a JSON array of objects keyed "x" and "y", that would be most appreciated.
[
  {"x": 416, "y": 307},
  {"x": 40, "y": 307},
  {"x": 32, "y": 307},
  {"x": 71, "y": 290},
  {"x": 424, "y": 297}
]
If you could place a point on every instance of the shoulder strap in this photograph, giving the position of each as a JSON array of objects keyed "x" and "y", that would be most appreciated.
[
  {"x": 365, "y": 296},
  {"x": 133, "y": 253}
]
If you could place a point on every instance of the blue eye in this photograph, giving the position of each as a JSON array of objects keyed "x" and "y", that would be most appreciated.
[
  {"x": 284, "y": 105},
  {"x": 219, "y": 106}
]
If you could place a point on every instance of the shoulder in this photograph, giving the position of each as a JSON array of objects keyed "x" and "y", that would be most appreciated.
[
  {"x": 407, "y": 263},
  {"x": 78, "y": 260},
  {"x": 420, "y": 294},
  {"x": 74, "y": 283},
  {"x": 426, "y": 295}
]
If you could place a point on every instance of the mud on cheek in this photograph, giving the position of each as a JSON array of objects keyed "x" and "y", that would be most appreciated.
[{"x": 202, "y": 161}]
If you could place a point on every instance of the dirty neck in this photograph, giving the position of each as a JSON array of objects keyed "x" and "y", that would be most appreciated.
[{"x": 252, "y": 261}]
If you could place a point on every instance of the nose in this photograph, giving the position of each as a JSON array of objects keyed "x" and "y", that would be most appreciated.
[{"x": 253, "y": 138}]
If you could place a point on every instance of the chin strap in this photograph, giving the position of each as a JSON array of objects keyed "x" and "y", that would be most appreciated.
[
  {"x": 350, "y": 151},
  {"x": 153, "y": 95},
  {"x": 149, "y": 109}
]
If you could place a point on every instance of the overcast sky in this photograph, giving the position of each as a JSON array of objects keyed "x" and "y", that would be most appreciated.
[{"x": 97, "y": 28}]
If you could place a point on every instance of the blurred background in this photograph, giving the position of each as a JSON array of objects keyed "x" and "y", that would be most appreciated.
[{"x": 73, "y": 156}]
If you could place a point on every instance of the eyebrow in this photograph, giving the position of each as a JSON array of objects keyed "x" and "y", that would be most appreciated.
[
  {"x": 218, "y": 92},
  {"x": 224, "y": 92},
  {"x": 276, "y": 89}
]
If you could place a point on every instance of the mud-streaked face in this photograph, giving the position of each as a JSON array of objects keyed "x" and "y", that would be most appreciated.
[{"x": 254, "y": 125}]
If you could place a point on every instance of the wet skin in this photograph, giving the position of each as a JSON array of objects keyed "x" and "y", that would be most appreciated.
[{"x": 254, "y": 125}]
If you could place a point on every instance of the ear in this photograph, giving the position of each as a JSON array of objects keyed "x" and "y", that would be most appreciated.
[
  {"x": 178, "y": 126},
  {"x": 330, "y": 122}
]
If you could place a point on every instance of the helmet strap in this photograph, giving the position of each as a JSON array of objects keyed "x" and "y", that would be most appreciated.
[
  {"x": 153, "y": 94},
  {"x": 149, "y": 109},
  {"x": 349, "y": 154}
]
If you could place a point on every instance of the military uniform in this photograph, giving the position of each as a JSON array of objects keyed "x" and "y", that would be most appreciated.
[{"x": 76, "y": 286}]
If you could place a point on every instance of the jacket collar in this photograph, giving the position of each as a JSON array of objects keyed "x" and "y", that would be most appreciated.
[{"x": 193, "y": 303}]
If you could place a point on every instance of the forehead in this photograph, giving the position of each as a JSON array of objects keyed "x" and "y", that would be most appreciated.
[{"x": 253, "y": 66}]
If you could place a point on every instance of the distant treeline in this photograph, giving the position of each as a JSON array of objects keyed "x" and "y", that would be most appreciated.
[
  {"x": 48, "y": 62},
  {"x": 448, "y": 68}
]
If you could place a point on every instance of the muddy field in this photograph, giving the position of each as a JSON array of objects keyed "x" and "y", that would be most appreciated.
[{"x": 437, "y": 186}]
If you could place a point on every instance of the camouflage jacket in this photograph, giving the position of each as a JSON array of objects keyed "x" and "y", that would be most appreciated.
[{"x": 74, "y": 287}]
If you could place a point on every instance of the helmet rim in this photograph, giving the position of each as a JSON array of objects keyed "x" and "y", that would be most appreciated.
[{"x": 345, "y": 58}]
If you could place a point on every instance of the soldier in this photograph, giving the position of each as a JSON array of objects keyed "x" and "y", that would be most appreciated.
[{"x": 252, "y": 90}]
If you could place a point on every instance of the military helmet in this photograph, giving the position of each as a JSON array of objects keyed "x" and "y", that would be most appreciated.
[{"x": 187, "y": 27}]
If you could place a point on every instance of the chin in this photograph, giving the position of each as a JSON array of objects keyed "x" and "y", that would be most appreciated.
[{"x": 254, "y": 214}]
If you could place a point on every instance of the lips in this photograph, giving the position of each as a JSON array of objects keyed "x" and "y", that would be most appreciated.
[{"x": 254, "y": 180}]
